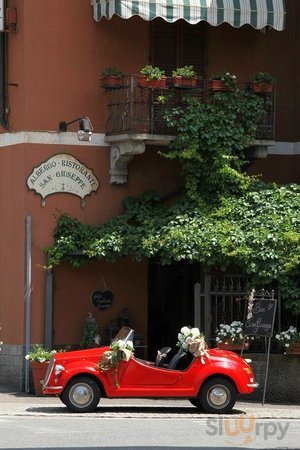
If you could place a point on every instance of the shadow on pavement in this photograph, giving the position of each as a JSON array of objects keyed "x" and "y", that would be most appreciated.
[{"x": 132, "y": 410}]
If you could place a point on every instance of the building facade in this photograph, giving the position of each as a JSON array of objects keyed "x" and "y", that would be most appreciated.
[{"x": 53, "y": 54}]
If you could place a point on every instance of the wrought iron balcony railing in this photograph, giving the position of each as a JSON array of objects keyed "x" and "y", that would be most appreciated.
[{"x": 133, "y": 109}]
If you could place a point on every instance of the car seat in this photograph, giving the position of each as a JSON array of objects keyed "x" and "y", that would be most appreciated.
[
  {"x": 181, "y": 361},
  {"x": 161, "y": 356},
  {"x": 176, "y": 358}
]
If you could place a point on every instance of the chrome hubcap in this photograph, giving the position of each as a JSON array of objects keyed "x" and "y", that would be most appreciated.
[
  {"x": 218, "y": 396},
  {"x": 81, "y": 395}
]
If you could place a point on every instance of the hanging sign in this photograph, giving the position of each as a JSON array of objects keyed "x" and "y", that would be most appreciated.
[
  {"x": 62, "y": 173},
  {"x": 102, "y": 299}
]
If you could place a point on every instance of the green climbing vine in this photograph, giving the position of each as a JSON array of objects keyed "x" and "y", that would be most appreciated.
[
  {"x": 211, "y": 141},
  {"x": 224, "y": 217}
]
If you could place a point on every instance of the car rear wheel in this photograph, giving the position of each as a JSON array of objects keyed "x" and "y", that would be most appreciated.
[
  {"x": 218, "y": 395},
  {"x": 81, "y": 395}
]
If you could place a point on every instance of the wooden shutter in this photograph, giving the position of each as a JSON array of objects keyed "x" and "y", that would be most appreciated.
[{"x": 176, "y": 45}]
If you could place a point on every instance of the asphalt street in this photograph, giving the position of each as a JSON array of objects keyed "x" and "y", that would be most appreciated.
[
  {"x": 19, "y": 403},
  {"x": 142, "y": 424}
]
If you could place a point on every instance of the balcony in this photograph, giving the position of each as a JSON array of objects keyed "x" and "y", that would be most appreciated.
[{"x": 135, "y": 119}]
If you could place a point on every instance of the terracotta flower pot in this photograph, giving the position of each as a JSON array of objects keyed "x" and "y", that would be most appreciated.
[
  {"x": 262, "y": 88},
  {"x": 185, "y": 83},
  {"x": 229, "y": 345},
  {"x": 153, "y": 84},
  {"x": 111, "y": 82},
  {"x": 39, "y": 370},
  {"x": 294, "y": 349},
  {"x": 219, "y": 86}
]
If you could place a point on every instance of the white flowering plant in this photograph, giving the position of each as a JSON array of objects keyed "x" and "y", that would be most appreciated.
[
  {"x": 228, "y": 79},
  {"x": 234, "y": 332},
  {"x": 289, "y": 337},
  {"x": 190, "y": 339},
  {"x": 39, "y": 353}
]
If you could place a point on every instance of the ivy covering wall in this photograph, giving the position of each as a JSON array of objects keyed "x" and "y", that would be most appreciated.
[{"x": 223, "y": 217}]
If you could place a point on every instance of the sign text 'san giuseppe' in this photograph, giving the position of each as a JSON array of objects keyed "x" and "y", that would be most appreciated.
[{"x": 62, "y": 173}]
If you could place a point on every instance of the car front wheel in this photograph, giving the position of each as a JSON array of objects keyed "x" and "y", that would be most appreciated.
[
  {"x": 217, "y": 396},
  {"x": 81, "y": 395}
]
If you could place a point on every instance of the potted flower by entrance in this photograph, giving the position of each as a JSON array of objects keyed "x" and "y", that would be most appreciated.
[
  {"x": 111, "y": 78},
  {"x": 152, "y": 77},
  {"x": 263, "y": 83},
  {"x": 222, "y": 82},
  {"x": 184, "y": 77},
  {"x": 39, "y": 359},
  {"x": 230, "y": 337},
  {"x": 290, "y": 340}
]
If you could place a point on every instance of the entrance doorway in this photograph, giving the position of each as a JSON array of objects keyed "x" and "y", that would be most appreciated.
[{"x": 170, "y": 302}]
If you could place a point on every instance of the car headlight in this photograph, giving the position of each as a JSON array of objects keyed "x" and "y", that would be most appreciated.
[{"x": 59, "y": 369}]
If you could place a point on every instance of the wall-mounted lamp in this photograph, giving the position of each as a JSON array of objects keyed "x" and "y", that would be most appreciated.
[{"x": 85, "y": 128}]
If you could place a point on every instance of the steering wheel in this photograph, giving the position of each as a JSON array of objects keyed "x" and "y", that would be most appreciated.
[{"x": 161, "y": 356}]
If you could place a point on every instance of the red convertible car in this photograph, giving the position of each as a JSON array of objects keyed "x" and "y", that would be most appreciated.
[{"x": 209, "y": 382}]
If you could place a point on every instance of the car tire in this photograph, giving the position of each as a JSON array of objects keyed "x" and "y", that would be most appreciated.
[
  {"x": 81, "y": 395},
  {"x": 217, "y": 395},
  {"x": 195, "y": 402}
]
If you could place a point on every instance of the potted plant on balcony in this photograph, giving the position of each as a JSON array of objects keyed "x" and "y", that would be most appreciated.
[
  {"x": 152, "y": 77},
  {"x": 222, "y": 82},
  {"x": 184, "y": 77},
  {"x": 230, "y": 337},
  {"x": 290, "y": 340},
  {"x": 263, "y": 83},
  {"x": 111, "y": 78},
  {"x": 39, "y": 359}
]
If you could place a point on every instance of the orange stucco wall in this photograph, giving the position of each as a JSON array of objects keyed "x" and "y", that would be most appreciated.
[
  {"x": 17, "y": 202},
  {"x": 73, "y": 287},
  {"x": 54, "y": 64},
  {"x": 59, "y": 53}
]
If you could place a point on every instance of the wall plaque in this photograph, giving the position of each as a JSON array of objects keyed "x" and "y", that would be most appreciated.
[{"x": 62, "y": 173}]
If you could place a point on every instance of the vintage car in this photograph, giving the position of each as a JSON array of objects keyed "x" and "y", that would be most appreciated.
[{"x": 210, "y": 382}]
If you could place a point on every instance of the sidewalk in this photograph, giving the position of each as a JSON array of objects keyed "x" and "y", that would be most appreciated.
[{"x": 21, "y": 404}]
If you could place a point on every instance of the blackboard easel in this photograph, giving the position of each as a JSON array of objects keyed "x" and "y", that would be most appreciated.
[{"x": 259, "y": 321}]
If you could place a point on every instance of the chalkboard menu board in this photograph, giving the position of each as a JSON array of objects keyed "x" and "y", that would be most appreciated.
[
  {"x": 259, "y": 318},
  {"x": 102, "y": 299}
]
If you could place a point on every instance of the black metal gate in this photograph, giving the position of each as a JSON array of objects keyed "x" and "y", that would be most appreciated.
[{"x": 222, "y": 299}]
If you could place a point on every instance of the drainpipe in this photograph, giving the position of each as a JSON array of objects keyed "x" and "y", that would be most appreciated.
[
  {"x": 48, "y": 308},
  {"x": 28, "y": 300}
]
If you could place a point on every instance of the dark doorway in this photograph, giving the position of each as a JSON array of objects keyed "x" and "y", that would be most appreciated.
[{"x": 170, "y": 302}]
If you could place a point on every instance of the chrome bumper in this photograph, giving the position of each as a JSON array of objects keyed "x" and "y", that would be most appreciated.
[
  {"x": 52, "y": 388},
  {"x": 253, "y": 385}
]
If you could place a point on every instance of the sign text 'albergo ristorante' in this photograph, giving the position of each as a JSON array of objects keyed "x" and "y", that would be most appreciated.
[{"x": 62, "y": 173}]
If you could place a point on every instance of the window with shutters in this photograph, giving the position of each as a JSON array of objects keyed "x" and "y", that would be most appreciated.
[{"x": 176, "y": 45}]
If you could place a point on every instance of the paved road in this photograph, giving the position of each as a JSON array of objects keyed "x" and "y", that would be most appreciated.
[
  {"x": 27, "y": 421},
  {"x": 91, "y": 432}
]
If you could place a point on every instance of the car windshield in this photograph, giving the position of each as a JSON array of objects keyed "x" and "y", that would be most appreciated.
[{"x": 125, "y": 334}]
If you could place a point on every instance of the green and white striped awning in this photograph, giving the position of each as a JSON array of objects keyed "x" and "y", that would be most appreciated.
[{"x": 257, "y": 13}]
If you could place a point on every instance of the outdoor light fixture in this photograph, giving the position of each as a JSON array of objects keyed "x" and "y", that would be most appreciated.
[{"x": 85, "y": 128}]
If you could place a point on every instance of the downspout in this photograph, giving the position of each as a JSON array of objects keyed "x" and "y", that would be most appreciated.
[
  {"x": 48, "y": 308},
  {"x": 28, "y": 300},
  {"x": 3, "y": 66}
]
